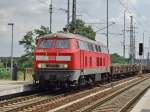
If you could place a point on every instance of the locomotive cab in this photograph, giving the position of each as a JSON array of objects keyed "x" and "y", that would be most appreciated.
[{"x": 54, "y": 60}]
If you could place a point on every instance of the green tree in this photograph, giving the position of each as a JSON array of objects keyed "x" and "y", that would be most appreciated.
[
  {"x": 28, "y": 41},
  {"x": 79, "y": 27},
  {"x": 117, "y": 59},
  {"x": 30, "y": 37}
]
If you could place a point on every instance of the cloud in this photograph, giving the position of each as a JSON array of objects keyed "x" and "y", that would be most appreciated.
[
  {"x": 134, "y": 1},
  {"x": 30, "y": 14}
]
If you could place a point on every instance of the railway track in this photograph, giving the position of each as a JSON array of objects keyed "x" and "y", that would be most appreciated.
[
  {"x": 121, "y": 100},
  {"x": 129, "y": 105},
  {"x": 44, "y": 101},
  {"x": 26, "y": 102},
  {"x": 90, "y": 98},
  {"x": 78, "y": 104}
]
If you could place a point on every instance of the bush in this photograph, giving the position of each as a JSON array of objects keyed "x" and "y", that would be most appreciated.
[{"x": 4, "y": 74}]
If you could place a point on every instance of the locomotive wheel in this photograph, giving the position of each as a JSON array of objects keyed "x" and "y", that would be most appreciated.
[
  {"x": 109, "y": 77},
  {"x": 82, "y": 81},
  {"x": 64, "y": 86},
  {"x": 90, "y": 81}
]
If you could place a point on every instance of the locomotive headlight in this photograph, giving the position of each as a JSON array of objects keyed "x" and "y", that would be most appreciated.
[
  {"x": 42, "y": 58},
  {"x": 41, "y": 65},
  {"x": 65, "y": 66}
]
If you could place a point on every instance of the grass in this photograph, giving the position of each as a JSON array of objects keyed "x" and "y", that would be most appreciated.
[
  {"x": 28, "y": 76},
  {"x": 4, "y": 75}
]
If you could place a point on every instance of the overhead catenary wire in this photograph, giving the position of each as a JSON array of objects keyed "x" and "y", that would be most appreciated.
[
  {"x": 138, "y": 18},
  {"x": 128, "y": 9}
]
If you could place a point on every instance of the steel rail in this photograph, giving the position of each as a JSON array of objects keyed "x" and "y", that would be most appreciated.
[
  {"x": 132, "y": 101},
  {"x": 96, "y": 104}
]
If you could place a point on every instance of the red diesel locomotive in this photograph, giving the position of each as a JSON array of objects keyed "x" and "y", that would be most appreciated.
[{"x": 69, "y": 59}]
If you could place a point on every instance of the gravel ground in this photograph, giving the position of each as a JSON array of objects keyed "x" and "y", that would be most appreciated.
[{"x": 116, "y": 103}]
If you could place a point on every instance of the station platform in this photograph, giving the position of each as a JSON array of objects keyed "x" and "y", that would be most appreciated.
[
  {"x": 13, "y": 87},
  {"x": 144, "y": 104}
]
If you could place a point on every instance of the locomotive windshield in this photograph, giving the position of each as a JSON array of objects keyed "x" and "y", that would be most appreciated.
[
  {"x": 46, "y": 43},
  {"x": 62, "y": 43}
]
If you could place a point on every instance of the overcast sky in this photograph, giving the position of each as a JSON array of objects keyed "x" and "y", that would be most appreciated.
[{"x": 30, "y": 14}]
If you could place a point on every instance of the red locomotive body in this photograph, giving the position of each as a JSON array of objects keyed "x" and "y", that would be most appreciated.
[{"x": 70, "y": 59}]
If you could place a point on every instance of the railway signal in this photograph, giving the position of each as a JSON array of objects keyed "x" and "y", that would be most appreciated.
[
  {"x": 140, "y": 54},
  {"x": 140, "y": 49}
]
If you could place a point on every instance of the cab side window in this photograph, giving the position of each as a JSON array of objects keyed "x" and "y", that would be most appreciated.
[{"x": 83, "y": 45}]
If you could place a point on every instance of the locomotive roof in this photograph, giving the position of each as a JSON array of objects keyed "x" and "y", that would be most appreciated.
[{"x": 70, "y": 35}]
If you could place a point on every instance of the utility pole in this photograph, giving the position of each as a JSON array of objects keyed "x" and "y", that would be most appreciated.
[
  {"x": 124, "y": 35},
  {"x": 12, "y": 25},
  {"x": 68, "y": 16},
  {"x": 149, "y": 45},
  {"x": 107, "y": 28},
  {"x": 131, "y": 53},
  {"x": 134, "y": 38},
  {"x": 149, "y": 53},
  {"x": 74, "y": 12},
  {"x": 50, "y": 18}
]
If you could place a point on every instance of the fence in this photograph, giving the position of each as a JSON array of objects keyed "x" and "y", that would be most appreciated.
[{"x": 22, "y": 74}]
